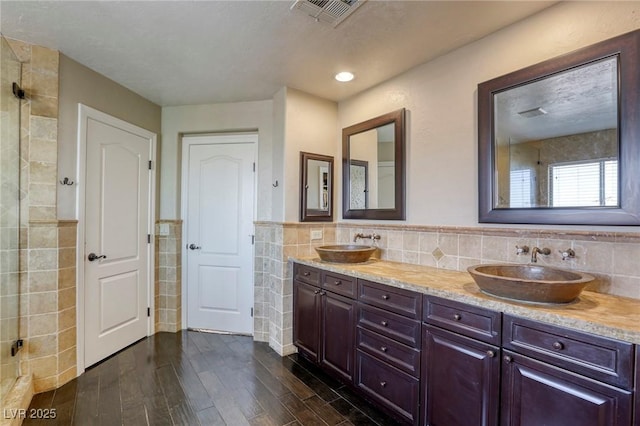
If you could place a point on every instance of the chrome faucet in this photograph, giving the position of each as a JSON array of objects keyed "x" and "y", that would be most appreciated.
[
  {"x": 373, "y": 237},
  {"x": 536, "y": 250}
]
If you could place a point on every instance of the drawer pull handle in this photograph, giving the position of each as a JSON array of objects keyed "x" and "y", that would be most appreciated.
[
  {"x": 337, "y": 282},
  {"x": 383, "y": 384},
  {"x": 507, "y": 359},
  {"x": 384, "y": 323},
  {"x": 316, "y": 291},
  {"x": 491, "y": 354},
  {"x": 306, "y": 273},
  {"x": 383, "y": 348},
  {"x": 558, "y": 346},
  {"x": 457, "y": 317},
  {"x": 385, "y": 297}
]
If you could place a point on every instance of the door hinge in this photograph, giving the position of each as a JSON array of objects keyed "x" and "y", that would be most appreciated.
[
  {"x": 150, "y": 164},
  {"x": 17, "y": 345},
  {"x": 148, "y": 312},
  {"x": 251, "y": 312},
  {"x": 254, "y": 166},
  {"x": 253, "y": 239},
  {"x": 18, "y": 92},
  {"x": 148, "y": 238}
]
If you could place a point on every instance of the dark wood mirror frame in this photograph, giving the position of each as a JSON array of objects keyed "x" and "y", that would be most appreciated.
[
  {"x": 627, "y": 50},
  {"x": 398, "y": 212},
  {"x": 315, "y": 215}
]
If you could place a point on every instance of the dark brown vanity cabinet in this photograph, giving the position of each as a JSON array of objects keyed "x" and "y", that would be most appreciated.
[
  {"x": 388, "y": 348},
  {"x": 560, "y": 377},
  {"x": 323, "y": 321},
  {"x": 460, "y": 364}
]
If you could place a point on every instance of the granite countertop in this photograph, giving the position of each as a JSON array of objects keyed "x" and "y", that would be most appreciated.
[{"x": 600, "y": 314}]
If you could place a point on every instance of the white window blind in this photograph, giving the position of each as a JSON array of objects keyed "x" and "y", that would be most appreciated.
[
  {"x": 591, "y": 183},
  {"x": 520, "y": 188}
]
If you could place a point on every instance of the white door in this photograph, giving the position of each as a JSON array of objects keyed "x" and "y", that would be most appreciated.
[
  {"x": 219, "y": 183},
  {"x": 117, "y": 221}
]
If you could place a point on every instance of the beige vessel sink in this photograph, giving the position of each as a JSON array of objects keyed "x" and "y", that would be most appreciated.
[
  {"x": 345, "y": 253},
  {"x": 530, "y": 283}
]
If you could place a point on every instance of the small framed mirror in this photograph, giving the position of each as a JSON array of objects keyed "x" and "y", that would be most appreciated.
[
  {"x": 559, "y": 141},
  {"x": 373, "y": 171},
  {"x": 316, "y": 187}
]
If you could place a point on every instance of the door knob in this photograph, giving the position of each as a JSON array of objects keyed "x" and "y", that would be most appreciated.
[
  {"x": 194, "y": 247},
  {"x": 93, "y": 256}
]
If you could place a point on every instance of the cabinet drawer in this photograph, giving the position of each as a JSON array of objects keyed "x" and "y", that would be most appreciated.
[
  {"x": 340, "y": 284},
  {"x": 394, "y": 326},
  {"x": 395, "y": 390},
  {"x": 398, "y": 300},
  {"x": 400, "y": 356},
  {"x": 601, "y": 358},
  {"x": 464, "y": 319},
  {"x": 306, "y": 273}
]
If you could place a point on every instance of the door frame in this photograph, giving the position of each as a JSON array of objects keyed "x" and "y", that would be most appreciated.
[
  {"x": 84, "y": 114},
  {"x": 223, "y": 138}
]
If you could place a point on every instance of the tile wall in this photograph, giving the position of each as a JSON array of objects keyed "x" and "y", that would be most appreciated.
[
  {"x": 610, "y": 256},
  {"x": 168, "y": 276},
  {"x": 47, "y": 246}
]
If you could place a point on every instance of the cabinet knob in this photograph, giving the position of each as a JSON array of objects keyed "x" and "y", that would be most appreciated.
[
  {"x": 507, "y": 358},
  {"x": 558, "y": 346},
  {"x": 383, "y": 384},
  {"x": 491, "y": 353},
  {"x": 316, "y": 291},
  {"x": 306, "y": 273},
  {"x": 337, "y": 282},
  {"x": 385, "y": 297},
  {"x": 457, "y": 317},
  {"x": 383, "y": 348},
  {"x": 384, "y": 323}
]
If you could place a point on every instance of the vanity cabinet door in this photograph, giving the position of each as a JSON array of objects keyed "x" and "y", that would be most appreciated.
[
  {"x": 536, "y": 393},
  {"x": 306, "y": 319},
  {"x": 636, "y": 416},
  {"x": 338, "y": 324},
  {"x": 461, "y": 380}
]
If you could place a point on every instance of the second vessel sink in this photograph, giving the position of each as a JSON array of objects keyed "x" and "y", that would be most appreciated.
[
  {"x": 530, "y": 283},
  {"x": 345, "y": 253}
]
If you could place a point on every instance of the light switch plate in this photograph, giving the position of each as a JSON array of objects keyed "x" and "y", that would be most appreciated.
[
  {"x": 164, "y": 229},
  {"x": 316, "y": 234}
]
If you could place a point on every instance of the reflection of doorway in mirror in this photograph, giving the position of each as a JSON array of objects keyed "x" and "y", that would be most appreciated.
[
  {"x": 323, "y": 192},
  {"x": 358, "y": 191}
]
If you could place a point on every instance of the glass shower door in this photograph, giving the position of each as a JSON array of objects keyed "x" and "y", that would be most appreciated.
[{"x": 10, "y": 70}]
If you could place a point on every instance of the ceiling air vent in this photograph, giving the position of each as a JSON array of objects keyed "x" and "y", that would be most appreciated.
[{"x": 328, "y": 11}]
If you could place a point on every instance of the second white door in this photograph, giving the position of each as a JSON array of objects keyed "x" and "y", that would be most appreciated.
[{"x": 220, "y": 193}]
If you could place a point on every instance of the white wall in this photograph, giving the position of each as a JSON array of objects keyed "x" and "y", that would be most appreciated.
[
  {"x": 311, "y": 125},
  {"x": 440, "y": 97},
  {"x": 214, "y": 118}
]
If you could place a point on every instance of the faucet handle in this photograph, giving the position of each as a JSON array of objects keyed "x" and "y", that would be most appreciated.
[
  {"x": 522, "y": 250},
  {"x": 567, "y": 254}
]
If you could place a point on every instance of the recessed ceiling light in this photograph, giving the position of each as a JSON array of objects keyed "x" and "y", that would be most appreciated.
[{"x": 344, "y": 76}]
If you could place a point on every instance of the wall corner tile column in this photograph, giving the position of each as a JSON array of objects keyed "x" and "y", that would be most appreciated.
[{"x": 168, "y": 277}]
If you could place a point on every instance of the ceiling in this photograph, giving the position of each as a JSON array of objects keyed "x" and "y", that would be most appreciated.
[{"x": 197, "y": 52}]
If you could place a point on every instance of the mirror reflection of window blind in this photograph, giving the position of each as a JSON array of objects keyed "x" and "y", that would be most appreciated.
[
  {"x": 584, "y": 184},
  {"x": 520, "y": 188}
]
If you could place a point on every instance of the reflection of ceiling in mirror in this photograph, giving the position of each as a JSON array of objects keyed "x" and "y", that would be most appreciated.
[
  {"x": 386, "y": 133},
  {"x": 581, "y": 100}
]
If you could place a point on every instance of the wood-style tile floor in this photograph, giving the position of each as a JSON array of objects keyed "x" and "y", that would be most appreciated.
[{"x": 192, "y": 378}]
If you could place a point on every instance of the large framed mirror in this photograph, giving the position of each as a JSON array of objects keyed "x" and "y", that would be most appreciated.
[
  {"x": 373, "y": 168},
  {"x": 559, "y": 141},
  {"x": 316, "y": 187}
]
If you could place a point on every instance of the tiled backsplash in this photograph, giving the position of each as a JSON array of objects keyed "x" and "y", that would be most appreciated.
[{"x": 610, "y": 256}]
